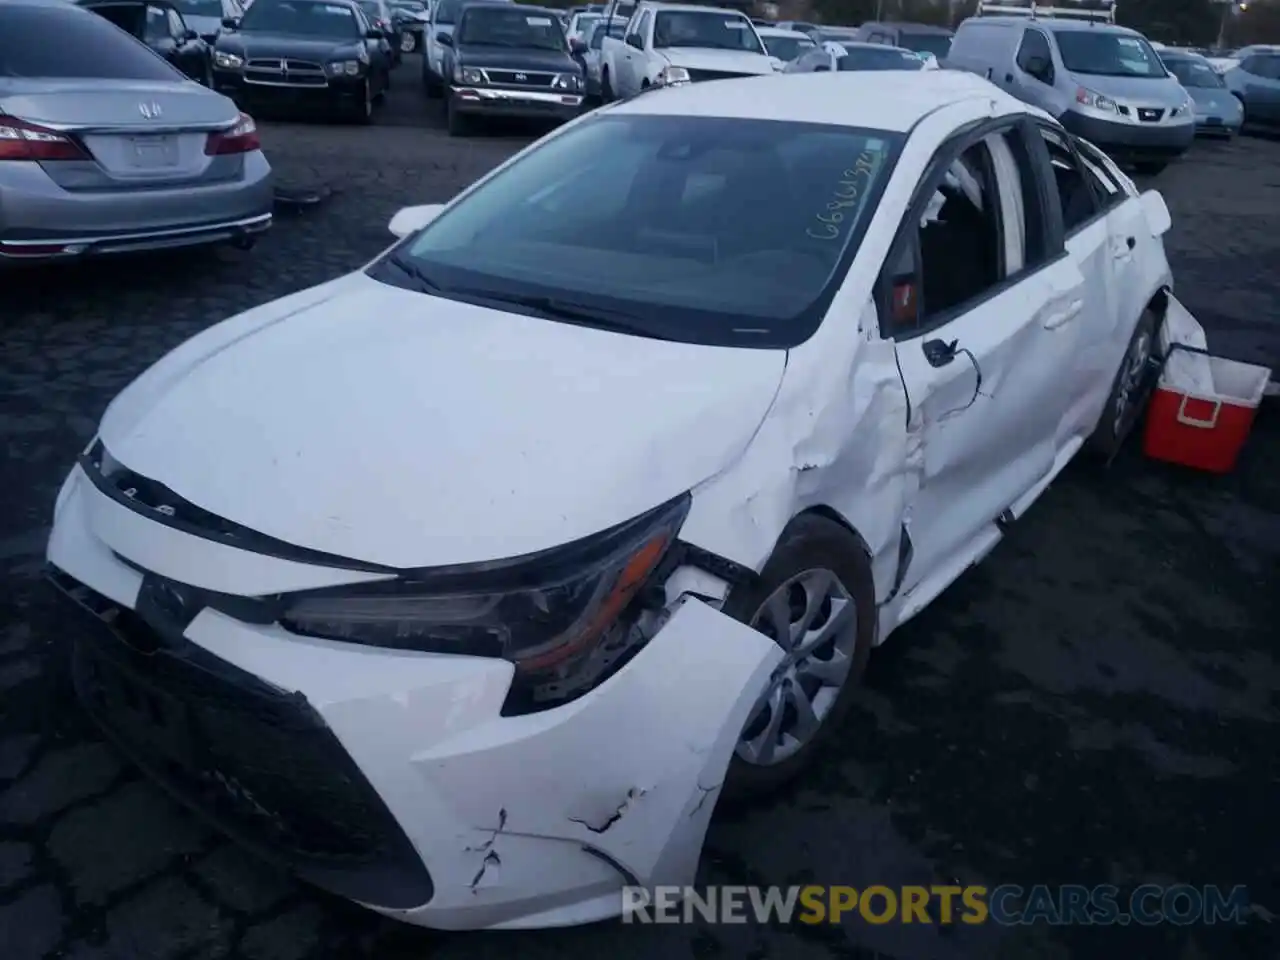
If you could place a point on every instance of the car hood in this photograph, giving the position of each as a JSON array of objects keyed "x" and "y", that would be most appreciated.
[
  {"x": 260, "y": 45},
  {"x": 1219, "y": 99},
  {"x": 726, "y": 61},
  {"x": 205, "y": 26},
  {"x": 392, "y": 427},
  {"x": 506, "y": 58},
  {"x": 1156, "y": 91}
]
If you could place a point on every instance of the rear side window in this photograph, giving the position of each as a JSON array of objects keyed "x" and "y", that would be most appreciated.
[
  {"x": 1262, "y": 65},
  {"x": 1033, "y": 45},
  {"x": 86, "y": 47}
]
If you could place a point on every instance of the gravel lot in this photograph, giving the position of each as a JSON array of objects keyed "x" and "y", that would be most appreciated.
[{"x": 1096, "y": 703}]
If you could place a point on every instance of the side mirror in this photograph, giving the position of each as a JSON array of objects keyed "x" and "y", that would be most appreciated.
[
  {"x": 577, "y": 46},
  {"x": 412, "y": 219},
  {"x": 230, "y": 22},
  {"x": 633, "y": 40},
  {"x": 444, "y": 39},
  {"x": 1157, "y": 212}
]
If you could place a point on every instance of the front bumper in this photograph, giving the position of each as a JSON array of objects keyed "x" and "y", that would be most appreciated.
[
  {"x": 391, "y": 777},
  {"x": 501, "y": 102},
  {"x": 337, "y": 93},
  {"x": 1133, "y": 141},
  {"x": 40, "y": 220}
]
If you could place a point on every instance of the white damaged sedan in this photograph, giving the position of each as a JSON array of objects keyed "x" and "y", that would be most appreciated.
[{"x": 465, "y": 584}]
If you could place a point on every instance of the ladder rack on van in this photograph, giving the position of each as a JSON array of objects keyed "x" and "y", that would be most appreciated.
[{"x": 1100, "y": 11}]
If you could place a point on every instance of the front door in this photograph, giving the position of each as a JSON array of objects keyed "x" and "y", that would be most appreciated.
[{"x": 985, "y": 312}]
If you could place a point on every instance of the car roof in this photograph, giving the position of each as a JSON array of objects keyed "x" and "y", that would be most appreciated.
[
  {"x": 691, "y": 7},
  {"x": 908, "y": 26},
  {"x": 1054, "y": 25},
  {"x": 879, "y": 100},
  {"x": 1180, "y": 55},
  {"x": 781, "y": 32}
]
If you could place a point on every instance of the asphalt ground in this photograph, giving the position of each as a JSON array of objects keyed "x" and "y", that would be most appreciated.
[{"x": 1096, "y": 703}]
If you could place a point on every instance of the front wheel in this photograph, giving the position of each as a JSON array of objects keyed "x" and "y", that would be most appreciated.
[
  {"x": 606, "y": 87},
  {"x": 815, "y": 598},
  {"x": 1129, "y": 389},
  {"x": 408, "y": 42}
]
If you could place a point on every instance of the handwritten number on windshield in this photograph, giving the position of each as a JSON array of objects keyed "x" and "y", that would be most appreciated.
[{"x": 847, "y": 195}]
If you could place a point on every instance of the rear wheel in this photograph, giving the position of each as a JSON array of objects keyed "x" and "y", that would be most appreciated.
[
  {"x": 606, "y": 87},
  {"x": 408, "y": 42},
  {"x": 815, "y": 598}
]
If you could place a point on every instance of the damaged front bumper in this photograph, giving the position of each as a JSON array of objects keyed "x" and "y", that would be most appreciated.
[{"x": 391, "y": 777}]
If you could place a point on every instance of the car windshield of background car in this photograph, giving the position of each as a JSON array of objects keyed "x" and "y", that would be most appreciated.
[
  {"x": 87, "y": 47},
  {"x": 938, "y": 44},
  {"x": 510, "y": 27},
  {"x": 704, "y": 229},
  {"x": 1108, "y": 55},
  {"x": 301, "y": 18},
  {"x": 868, "y": 58},
  {"x": 704, "y": 30},
  {"x": 600, "y": 31},
  {"x": 1194, "y": 73},
  {"x": 788, "y": 48},
  {"x": 200, "y": 8}
]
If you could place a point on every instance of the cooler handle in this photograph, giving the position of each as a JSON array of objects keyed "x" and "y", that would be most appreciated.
[{"x": 1208, "y": 424}]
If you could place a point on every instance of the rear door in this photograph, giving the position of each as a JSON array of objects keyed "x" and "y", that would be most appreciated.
[{"x": 981, "y": 297}]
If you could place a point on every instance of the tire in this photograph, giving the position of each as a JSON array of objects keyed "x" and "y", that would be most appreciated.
[
  {"x": 207, "y": 79},
  {"x": 428, "y": 81},
  {"x": 1150, "y": 168},
  {"x": 606, "y": 87},
  {"x": 409, "y": 42},
  {"x": 362, "y": 112},
  {"x": 812, "y": 549},
  {"x": 1130, "y": 390},
  {"x": 454, "y": 122}
]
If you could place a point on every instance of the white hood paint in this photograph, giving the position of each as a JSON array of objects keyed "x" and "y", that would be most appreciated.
[
  {"x": 692, "y": 58},
  {"x": 492, "y": 434}
]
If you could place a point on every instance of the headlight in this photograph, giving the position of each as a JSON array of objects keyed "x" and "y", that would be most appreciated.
[
  {"x": 555, "y": 615},
  {"x": 1096, "y": 100},
  {"x": 468, "y": 75},
  {"x": 351, "y": 68},
  {"x": 227, "y": 61},
  {"x": 672, "y": 75},
  {"x": 566, "y": 81}
]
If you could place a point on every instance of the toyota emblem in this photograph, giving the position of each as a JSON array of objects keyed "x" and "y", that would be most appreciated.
[{"x": 150, "y": 111}]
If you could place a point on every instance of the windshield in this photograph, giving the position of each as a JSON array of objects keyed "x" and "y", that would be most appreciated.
[
  {"x": 302, "y": 18},
  {"x": 787, "y": 48},
  {"x": 705, "y": 30},
  {"x": 887, "y": 58},
  {"x": 200, "y": 8},
  {"x": 700, "y": 229},
  {"x": 88, "y": 47},
  {"x": 1194, "y": 73},
  {"x": 582, "y": 25},
  {"x": 512, "y": 26},
  {"x": 372, "y": 8},
  {"x": 939, "y": 44},
  {"x": 1108, "y": 54},
  {"x": 600, "y": 31}
]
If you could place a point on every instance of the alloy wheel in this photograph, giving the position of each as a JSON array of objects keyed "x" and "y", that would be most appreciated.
[
  {"x": 1130, "y": 385},
  {"x": 813, "y": 617}
]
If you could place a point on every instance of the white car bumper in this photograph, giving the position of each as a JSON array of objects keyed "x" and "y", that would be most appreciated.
[{"x": 455, "y": 816}]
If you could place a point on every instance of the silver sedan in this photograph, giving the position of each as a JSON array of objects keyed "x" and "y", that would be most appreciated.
[{"x": 105, "y": 148}]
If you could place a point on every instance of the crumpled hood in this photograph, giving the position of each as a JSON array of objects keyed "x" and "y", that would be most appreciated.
[
  {"x": 392, "y": 427},
  {"x": 728, "y": 61}
]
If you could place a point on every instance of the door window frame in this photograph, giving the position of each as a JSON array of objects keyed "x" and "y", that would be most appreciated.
[
  {"x": 1101, "y": 205},
  {"x": 1048, "y": 220}
]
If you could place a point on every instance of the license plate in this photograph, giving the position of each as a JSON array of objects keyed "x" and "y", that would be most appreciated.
[
  {"x": 153, "y": 153},
  {"x": 1214, "y": 121}
]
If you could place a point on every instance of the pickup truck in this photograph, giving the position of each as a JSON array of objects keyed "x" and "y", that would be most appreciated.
[{"x": 673, "y": 43}]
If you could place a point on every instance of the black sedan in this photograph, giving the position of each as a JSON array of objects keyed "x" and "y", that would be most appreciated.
[
  {"x": 304, "y": 55},
  {"x": 510, "y": 60},
  {"x": 161, "y": 27}
]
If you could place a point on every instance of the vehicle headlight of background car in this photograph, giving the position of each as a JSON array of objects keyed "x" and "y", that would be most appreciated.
[
  {"x": 227, "y": 61},
  {"x": 669, "y": 76},
  {"x": 566, "y": 618},
  {"x": 469, "y": 75},
  {"x": 352, "y": 68},
  {"x": 566, "y": 81}
]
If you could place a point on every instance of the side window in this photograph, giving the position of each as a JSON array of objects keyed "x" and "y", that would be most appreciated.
[
  {"x": 1252, "y": 65},
  {"x": 1034, "y": 57},
  {"x": 1095, "y": 167},
  {"x": 957, "y": 252},
  {"x": 1075, "y": 194},
  {"x": 640, "y": 29},
  {"x": 1269, "y": 68},
  {"x": 157, "y": 24}
]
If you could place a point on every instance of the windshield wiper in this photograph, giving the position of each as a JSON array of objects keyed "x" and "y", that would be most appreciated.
[
  {"x": 422, "y": 281},
  {"x": 553, "y": 308}
]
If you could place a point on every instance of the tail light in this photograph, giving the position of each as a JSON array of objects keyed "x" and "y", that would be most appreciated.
[
  {"x": 242, "y": 138},
  {"x": 20, "y": 140}
]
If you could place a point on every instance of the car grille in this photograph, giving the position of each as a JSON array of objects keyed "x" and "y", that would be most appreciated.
[
  {"x": 256, "y": 760},
  {"x": 697, "y": 76},
  {"x": 519, "y": 78},
  {"x": 1149, "y": 114},
  {"x": 285, "y": 73}
]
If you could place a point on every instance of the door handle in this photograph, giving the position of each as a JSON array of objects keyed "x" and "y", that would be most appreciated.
[
  {"x": 1064, "y": 316},
  {"x": 1123, "y": 251}
]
